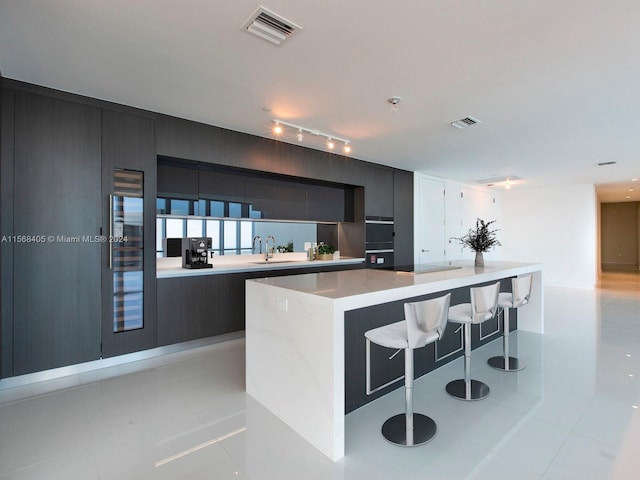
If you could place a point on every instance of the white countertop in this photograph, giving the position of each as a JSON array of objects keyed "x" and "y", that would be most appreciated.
[
  {"x": 172, "y": 267},
  {"x": 363, "y": 287}
]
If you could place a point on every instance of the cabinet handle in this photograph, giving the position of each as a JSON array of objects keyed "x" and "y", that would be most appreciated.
[
  {"x": 110, "y": 243},
  {"x": 424, "y": 251}
]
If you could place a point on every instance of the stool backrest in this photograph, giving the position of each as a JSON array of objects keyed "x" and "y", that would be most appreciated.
[
  {"x": 484, "y": 302},
  {"x": 426, "y": 318},
  {"x": 521, "y": 287}
]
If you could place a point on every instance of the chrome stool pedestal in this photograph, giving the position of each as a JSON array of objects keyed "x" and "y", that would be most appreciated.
[
  {"x": 483, "y": 306},
  {"x": 466, "y": 388},
  {"x": 409, "y": 429},
  {"x": 521, "y": 293}
]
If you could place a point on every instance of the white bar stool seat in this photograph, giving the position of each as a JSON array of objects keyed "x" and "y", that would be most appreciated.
[
  {"x": 483, "y": 307},
  {"x": 424, "y": 323},
  {"x": 519, "y": 296}
]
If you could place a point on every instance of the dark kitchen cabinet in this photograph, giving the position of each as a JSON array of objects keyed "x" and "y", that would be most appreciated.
[
  {"x": 403, "y": 217},
  {"x": 6, "y": 228},
  {"x": 175, "y": 181},
  {"x": 276, "y": 198},
  {"x": 56, "y": 301},
  {"x": 378, "y": 192},
  {"x": 218, "y": 185},
  {"x": 193, "y": 307},
  {"x": 129, "y": 179},
  {"x": 328, "y": 203}
]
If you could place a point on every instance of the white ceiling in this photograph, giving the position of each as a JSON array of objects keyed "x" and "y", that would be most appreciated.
[{"x": 555, "y": 83}]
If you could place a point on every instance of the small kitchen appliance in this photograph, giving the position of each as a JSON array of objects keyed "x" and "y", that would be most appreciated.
[{"x": 195, "y": 253}]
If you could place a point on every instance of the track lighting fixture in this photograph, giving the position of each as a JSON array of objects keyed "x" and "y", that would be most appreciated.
[{"x": 331, "y": 139}]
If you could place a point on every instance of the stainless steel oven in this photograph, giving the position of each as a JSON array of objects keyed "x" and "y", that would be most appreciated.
[{"x": 379, "y": 236}]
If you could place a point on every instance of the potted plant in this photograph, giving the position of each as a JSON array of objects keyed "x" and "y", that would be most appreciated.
[
  {"x": 325, "y": 252},
  {"x": 481, "y": 239}
]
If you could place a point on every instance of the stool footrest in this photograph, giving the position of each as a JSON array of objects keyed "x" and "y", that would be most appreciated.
[
  {"x": 501, "y": 364},
  {"x": 475, "y": 390},
  {"x": 395, "y": 430}
]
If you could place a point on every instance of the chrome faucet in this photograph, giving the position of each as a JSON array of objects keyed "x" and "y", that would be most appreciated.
[
  {"x": 253, "y": 245},
  {"x": 268, "y": 253}
]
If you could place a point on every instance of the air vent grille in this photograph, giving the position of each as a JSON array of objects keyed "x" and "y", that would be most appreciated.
[
  {"x": 465, "y": 122},
  {"x": 270, "y": 26},
  {"x": 602, "y": 164}
]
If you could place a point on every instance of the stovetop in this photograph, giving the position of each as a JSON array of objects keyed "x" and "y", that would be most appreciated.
[{"x": 414, "y": 269}]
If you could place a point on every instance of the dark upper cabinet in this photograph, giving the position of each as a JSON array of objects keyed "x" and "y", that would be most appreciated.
[
  {"x": 217, "y": 185},
  {"x": 378, "y": 191},
  {"x": 177, "y": 182},
  {"x": 276, "y": 198},
  {"x": 327, "y": 203},
  {"x": 291, "y": 201}
]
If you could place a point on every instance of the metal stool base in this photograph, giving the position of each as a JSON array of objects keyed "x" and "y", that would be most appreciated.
[
  {"x": 458, "y": 389},
  {"x": 395, "y": 430},
  {"x": 499, "y": 363}
]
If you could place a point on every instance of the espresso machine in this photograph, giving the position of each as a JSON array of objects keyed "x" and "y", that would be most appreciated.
[{"x": 195, "y": 253}]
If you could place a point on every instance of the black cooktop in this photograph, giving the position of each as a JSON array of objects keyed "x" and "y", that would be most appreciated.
[{"x": 424, "y": 268}]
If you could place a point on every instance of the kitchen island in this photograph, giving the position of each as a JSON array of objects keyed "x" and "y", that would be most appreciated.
[{"x": 295, "y": 335}]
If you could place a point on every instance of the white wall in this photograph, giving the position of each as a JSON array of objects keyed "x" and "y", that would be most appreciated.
[
  {"x": 555, "y": 226},
  {"x": 463, "y": 204},
  {"x": 466, "y": 203}
]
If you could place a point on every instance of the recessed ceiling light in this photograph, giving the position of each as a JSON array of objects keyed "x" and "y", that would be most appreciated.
[
  {"x": 628, "y": 197},
  {"x": 634, "y": 179},
  {"x": 394, "y": 101}
]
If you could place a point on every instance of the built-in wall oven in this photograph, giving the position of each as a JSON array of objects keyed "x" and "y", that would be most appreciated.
[{"x": 379, "y": 242}]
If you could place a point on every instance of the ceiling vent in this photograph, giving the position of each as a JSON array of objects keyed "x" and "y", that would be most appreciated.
[
  {"x": 465, "y": 122},
  {"x": 602, "y": 164},
  {"x": 270, "y": 26},
  {"x": 490, "y": 182}
]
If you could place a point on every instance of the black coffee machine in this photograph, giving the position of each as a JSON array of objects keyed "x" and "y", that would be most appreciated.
[{"x": 195, "y": 253}]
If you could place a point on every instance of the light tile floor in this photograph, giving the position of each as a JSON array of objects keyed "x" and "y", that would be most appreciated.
[{"x": 571, "y": 414}]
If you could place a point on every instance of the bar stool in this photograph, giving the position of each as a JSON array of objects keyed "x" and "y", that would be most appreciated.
[
  {"x": 424, "y": 323},
  {"x": 483, "y": 306},
  {"x": 521, "y": 293}
]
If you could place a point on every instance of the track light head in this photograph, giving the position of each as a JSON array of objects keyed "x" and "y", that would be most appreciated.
[{"x": 330, "y": 144}]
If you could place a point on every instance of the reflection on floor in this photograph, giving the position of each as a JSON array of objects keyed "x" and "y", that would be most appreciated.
[{"x": 572, "y": 413}]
